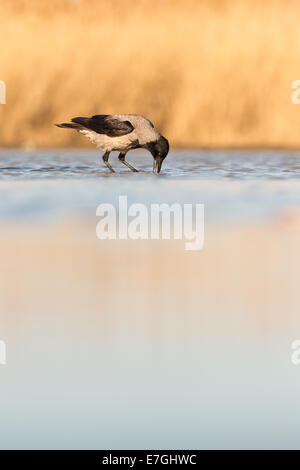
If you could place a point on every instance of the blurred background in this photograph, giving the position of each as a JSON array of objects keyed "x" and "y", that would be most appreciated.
[
  {"x": 210, "y": 73},
  {"x": 141, "y": 344}
]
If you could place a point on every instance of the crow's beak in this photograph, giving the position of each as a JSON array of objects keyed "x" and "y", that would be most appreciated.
[
  {"x": 159, "y": 162},
  {"x": 157, "y": 165}
]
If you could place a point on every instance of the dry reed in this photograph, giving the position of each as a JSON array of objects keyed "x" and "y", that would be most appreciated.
[{"x": 209, "y": 73}]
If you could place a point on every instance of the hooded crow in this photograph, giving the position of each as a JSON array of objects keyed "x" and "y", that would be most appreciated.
[{"x": 122, "y": 132}]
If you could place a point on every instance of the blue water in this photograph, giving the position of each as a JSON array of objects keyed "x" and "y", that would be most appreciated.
[
  {"x": 142, "y": 345},
  {"x": 233, "y": 184},
  {"x": 191, "y": 164}
]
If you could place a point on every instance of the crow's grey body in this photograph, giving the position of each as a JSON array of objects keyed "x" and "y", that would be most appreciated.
[
  {"x": 143, "y": 132},
  {"x": 122, "y": 132}
]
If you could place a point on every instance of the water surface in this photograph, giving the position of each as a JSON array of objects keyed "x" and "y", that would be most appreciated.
[
  {"x": 198, "y": 164},
  {"x": 233, "y": 185},
  {"x": 141, "y": 344}
]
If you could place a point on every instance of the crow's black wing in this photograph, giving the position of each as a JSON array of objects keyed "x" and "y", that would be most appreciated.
[{"x": 105, "y": 124}]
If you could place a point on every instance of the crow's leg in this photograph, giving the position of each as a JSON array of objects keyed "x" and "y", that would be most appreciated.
[
  {"x": 154, "y": 165},
  {"x": 122, "y": 160},
  {"x": 105, "y": 159}
]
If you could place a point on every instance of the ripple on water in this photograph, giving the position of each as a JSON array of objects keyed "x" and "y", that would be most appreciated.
[
  {"x": 193, "y": 164},
  {"x": 232, "y": 184}
]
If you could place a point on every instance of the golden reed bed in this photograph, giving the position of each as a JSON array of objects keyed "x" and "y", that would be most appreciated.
[{"x": 209, "y": 73}]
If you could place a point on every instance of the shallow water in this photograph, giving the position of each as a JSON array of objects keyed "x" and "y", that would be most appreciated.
[
  {"x": 141, "y": 344},
  {"x": 194, "y": 164},
  {"x": 233, "y": 185}
]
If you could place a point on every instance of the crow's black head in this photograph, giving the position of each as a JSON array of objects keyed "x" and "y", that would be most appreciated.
[{"x": 159, "y": 150}]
